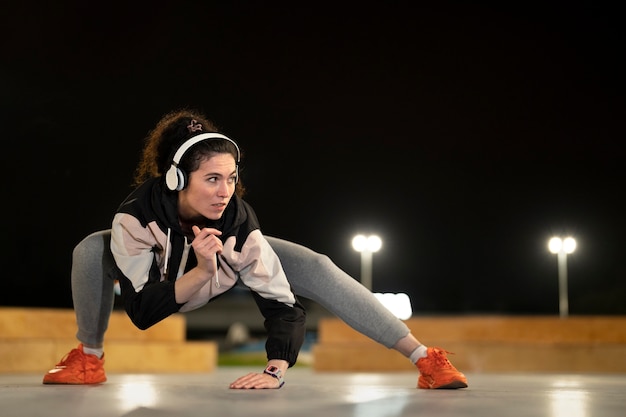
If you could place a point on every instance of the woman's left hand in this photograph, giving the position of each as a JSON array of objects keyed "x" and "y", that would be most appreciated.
[{"x": 255, "y": 380}]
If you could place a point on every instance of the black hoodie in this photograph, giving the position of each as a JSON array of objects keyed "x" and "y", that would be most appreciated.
[{"x": 151, "y": 252}]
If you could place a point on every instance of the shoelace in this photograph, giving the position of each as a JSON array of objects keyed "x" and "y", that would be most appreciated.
[
  {"x": 441, "y": 359},
  {"x": 66, "y": 358}
]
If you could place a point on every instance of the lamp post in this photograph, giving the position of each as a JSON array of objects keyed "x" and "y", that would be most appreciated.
[
  {"x": 367, "y": 245},
  {"x": 562, "y": 247}
]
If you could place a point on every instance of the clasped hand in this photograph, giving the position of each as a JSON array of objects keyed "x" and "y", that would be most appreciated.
[{"x": 207, "y": 245}]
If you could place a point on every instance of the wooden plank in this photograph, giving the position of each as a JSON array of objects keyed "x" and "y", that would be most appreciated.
[
  {"x": 50, "y": 323},
  {"x": 29, "y": 355},
  {"x": 486, "y": 344},
  {"x": 478, "y": 357},
  {"x": 123, "y": 356},
  {"x": 35, "y": 339},
  {"x": 542, "y": 330}
]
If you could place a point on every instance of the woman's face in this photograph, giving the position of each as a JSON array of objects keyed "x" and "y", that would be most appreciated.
[{"x": 210, "y": 188}]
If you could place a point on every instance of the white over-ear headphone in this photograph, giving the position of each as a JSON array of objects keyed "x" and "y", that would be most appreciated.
[{"x": 175, "y": 178}]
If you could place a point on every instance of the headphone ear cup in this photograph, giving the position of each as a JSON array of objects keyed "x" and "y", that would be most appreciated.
[
  {"x": 182, "y": 179},
  {"x": 172, "y": 179}
]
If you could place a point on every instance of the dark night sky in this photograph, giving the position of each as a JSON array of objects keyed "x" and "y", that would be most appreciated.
[{"x": 464, "y": 135}]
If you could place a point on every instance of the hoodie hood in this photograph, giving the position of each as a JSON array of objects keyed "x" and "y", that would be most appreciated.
[{"x": 152, "y": 202}]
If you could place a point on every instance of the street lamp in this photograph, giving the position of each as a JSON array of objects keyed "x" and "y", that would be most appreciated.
[
  {"x": 367, "y": 245},
  {"x": 562, "y": 247}
]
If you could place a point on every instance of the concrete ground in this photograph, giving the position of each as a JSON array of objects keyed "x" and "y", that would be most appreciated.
[{"x": 317, "y": 394}]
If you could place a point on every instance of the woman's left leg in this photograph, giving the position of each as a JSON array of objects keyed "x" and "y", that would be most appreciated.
[{"x": 316, "y": 277}]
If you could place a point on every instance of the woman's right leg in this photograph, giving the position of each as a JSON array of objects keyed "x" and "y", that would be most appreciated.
[
  {"x": 92, "y": 288},
  {"x": 93, "y": 297}
]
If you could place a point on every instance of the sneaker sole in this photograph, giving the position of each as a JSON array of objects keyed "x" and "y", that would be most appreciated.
[
  {"x": 453, "y": 385},
  {"x": 47, "y": 381},
  {"x": 72, "y": 383}
]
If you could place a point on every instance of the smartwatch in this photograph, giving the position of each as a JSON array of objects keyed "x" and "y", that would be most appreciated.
[{"x": 275, "y": 372}]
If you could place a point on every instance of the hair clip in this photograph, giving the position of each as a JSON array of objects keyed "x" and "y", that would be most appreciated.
[{"x": 194, "y": 126}]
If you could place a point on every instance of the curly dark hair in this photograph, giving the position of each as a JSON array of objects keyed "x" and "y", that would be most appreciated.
[{"x": 169, "y": 134}]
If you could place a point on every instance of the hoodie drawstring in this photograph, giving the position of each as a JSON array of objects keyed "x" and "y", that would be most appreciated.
[{"x": 167, "y": 249}]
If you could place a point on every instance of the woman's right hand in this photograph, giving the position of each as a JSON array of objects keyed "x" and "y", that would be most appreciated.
[{"x": 207, "y": 245}]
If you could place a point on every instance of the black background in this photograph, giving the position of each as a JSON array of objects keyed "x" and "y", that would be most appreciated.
[{"x": 465, "y": 135}]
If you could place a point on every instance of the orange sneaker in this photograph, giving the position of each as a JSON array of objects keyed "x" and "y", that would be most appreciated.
[
  {"x": 436, "y": 371},
  {"x": 77, "y": 368}
]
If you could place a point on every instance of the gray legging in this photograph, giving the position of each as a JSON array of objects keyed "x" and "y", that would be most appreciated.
[{"x": 312, "y": 275}]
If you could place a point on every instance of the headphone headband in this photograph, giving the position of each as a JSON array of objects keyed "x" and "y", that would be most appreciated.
[{"x": 199, "y": 138}]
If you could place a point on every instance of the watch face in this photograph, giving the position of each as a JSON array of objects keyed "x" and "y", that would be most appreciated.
[{"x": 275, "y": 372}]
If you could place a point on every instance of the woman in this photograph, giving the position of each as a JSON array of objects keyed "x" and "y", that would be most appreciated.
[{"x": 185, "y": 235}]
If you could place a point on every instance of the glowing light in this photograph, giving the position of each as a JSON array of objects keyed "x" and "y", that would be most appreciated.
[
  {"x": 399, "y": 304},
  {"x": 568, "y": 403},
  {"x": 135, "y": 393},
  {"x": 567, "y": 245},
  {"x": 371, "y": 243},
  {"x": 555, "y": 244}
]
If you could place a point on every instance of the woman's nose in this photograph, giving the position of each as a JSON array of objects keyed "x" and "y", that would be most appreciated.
[{"x": 224, "y": 189}]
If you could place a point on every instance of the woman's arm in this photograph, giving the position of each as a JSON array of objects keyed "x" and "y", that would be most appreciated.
[{"x": 206, "y": 246}]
